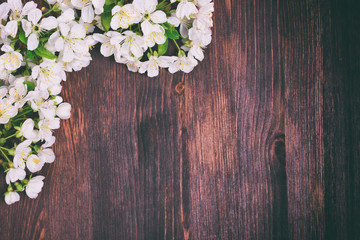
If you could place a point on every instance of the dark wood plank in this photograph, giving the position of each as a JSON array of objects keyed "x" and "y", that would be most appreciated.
[
  {"x": 322, "y": 132},
  {"x": 135, "y": 168},
  {"x": 341, "y": 120},
  {"x": 304, "y": 77},
  {"x": 235, "y": 127}
]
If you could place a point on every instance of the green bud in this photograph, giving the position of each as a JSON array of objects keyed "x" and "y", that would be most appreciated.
[
  {"x": 11, "y": 152},
  {"x": 18, "y": 186},
  {"x": 8, "y": 126},
  {"x": 4, "y": 165},
  {"x": 181, "y": 53},
  {"x": 56, "y": 8},
  {"x": 36, "y": 148}
]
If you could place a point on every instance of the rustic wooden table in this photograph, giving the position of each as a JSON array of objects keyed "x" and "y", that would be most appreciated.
[{"x": 264, "y": 142}]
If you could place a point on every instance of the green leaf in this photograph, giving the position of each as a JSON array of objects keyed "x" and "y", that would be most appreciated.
[
  {"x": 105, "y": 21},
  {"x": 22, "y": 37},
  {"x": 109, "y": 2},
  {"x": 172, "y": 34},
  {"x": 106, "y": 17},
  {"x": 44, "y": 39},
  {"x": 170, "y": 31},
  {"x": 167, "y": 25},
  {"x": 30, "y": 54},
  {"x": 162, "y": 48},
  {"x": 30, "y": 85},
  {"x": 41, "y": 51}
]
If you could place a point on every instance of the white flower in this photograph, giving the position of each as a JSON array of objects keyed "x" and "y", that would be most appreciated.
[
  {"x": 7, "y": 111},
  {"x": 80, "y": 61},
  {"x": 18, "y": 93},
  {"x": 48, "y": 73},
  {"x": 12, "y": 197},
  {"x": 46, "y": 126},
  {"x": 11, "y": 60},
  {"x": 72, "y": 41},
  {"x": 3, "y": 91},
  {"x": 27, "y": 130},
  {"x": 63, "y": 111},
  {"x": 153, "y": 34},
  {"x": 131, "y": 43},
  {"x": 4, "y": 13},
  {"x": 22, "y": 151},
  {"x": 89, "y": 27},
  {"x": 200, "y": 37},
  {"x": 17, "y": 13},
  {"x": 87, "y": 8},
  {"x": 108, "y": 47},
  {"x": 49, "y": 142},
  {"x": 55, "y": 89},
  {"x": 63, "y": 4},
  {"x": 34, "y": 186},
  {"x": 33, "y": 29},
  {"x": 203, "y": 19},
  {"x": 147, "y": 9},
  {"x": 46, "y": 155},
  {"x": 183, "y": 63},
  {"x": 185, "y": 9},
  {"x": 15, "y": 174},
  {"x": 195, "y": 51},
  {"x": 34, "y": 163},
  {"x": 184, "y": 24},
  {"x": 124, "y": 16},
  {"x": 40, "y": 97},
  {"x": 202, "y": 3},
  {"x": 152, "y": 65},
  {"x": 47, "y": 110},
  {"x": 57, "y": 100},
  {"x": 66, "y": 16}
]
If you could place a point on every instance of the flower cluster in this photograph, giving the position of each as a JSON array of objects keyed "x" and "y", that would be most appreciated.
[{"x": 39, "y": 45}]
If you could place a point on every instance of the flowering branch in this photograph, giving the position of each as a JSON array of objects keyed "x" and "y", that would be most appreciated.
[{"x": 39, "y": 46}]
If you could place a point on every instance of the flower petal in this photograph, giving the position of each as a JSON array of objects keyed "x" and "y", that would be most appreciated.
[
  {"x": 33, "y": 41},
  {"x": 158, "y": 17},
  {"x": 49, "y": 23},
  {"x": 87, "y": 14},
  {"x": 35, "y": 15}
]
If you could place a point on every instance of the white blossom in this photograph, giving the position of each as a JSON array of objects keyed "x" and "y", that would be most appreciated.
[
  {"x": 124, "y": 16},
  {"x": 17, "y": 13},
  {"x": 10, "y": 60},
  {"x": 12, "y": 197},
  {"x": 154, "y": 63},
  {"x": 34, "y": 186},
  {"x": 89, "y": 8},
  {"x": 185, "y": 9},
  {"x": 22, "y": 151},
  {"x": 15, "y": 174},
  {"x": 33, "y": 28},
  {"x": 63, "y": 111},
  {"x": 7, "y": 111},
  {"x": 34, "y": 163}
]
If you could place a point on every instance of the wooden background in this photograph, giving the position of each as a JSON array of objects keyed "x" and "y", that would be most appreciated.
[{"x": 264, "y": 143}]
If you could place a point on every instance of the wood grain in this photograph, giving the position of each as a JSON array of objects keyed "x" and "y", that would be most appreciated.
[{"x": 263, "y": 143}]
